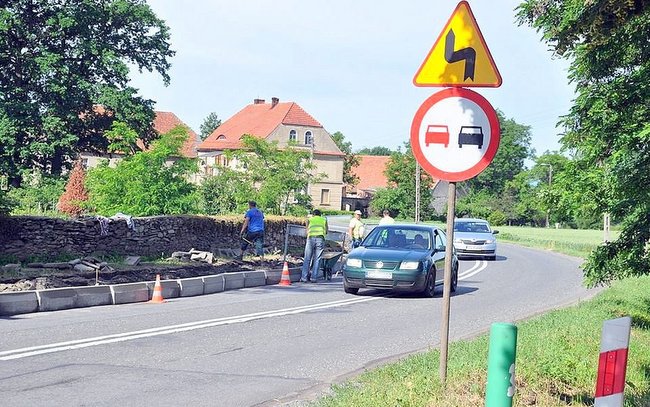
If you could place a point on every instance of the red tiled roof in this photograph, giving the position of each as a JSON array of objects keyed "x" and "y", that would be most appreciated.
[
  {"x": 257, "y": 119},
  {"x": 166, "y": 121},
  {"x": 371, "y": 171}
]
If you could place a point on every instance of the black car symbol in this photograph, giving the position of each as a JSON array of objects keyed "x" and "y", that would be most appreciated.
[{"x": 472, "y": 135}]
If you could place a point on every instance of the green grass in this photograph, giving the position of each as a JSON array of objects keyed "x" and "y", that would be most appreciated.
[
  {"x": 557, "y": 359},
  {"x": 574, "y": 242}
]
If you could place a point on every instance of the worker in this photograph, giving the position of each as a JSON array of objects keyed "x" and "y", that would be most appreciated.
[{"x": 316, "y": 232}]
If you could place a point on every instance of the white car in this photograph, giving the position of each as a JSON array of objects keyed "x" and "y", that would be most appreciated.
[{"x": 474, "y": 238}]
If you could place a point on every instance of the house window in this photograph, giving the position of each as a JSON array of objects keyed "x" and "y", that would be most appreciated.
[
  {"x": 293, "y": 135},
  {"x": 324, "y": 196},
  {"x": 309, "y": 138},
  {"x": 221, "y": 137},
  {"x": 223, "y": 160}
]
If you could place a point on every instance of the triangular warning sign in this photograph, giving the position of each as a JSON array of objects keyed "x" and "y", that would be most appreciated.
[{"x": 459, "y": 56}]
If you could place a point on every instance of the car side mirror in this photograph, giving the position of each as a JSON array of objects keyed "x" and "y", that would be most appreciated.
[
  {"x": 439, "y": 249},
  {"x": 495, "y": 232}
]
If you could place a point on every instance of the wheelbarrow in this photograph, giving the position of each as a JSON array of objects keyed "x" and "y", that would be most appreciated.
[{"x": 327, "y": 262}]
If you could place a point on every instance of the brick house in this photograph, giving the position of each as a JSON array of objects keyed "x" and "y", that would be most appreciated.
[{"x": 282, "y": 122}]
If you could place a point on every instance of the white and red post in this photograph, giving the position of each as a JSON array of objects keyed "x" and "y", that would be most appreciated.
[{"x": 614, "y": 343}]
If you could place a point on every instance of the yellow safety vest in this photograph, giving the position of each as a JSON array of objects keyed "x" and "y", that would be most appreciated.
[{"x": 317, "y": 226}]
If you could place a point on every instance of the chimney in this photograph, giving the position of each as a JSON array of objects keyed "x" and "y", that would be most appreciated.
[
  {"x": 274, "y": 101},
  {"x": 258, "y": 101}
]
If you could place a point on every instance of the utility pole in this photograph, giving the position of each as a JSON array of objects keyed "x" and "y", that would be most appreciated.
[{"x": 550, "y": 180}]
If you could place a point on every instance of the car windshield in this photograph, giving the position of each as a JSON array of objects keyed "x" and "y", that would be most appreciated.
[
  {"x": 399, "y": 238},
  {"x": 472, "y": 227}
]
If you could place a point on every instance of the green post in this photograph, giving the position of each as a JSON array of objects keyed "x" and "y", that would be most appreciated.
[{"x": 501, "y": 365}]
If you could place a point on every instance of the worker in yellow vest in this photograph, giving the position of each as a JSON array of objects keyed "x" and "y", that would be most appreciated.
[{"x": 316, "y": 232}]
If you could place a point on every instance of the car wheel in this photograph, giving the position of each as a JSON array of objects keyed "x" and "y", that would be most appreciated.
[
  {"x": 350, "y": 290},
  {"x": 429, "y": 286},
  {"x": 454, "y": 279}
]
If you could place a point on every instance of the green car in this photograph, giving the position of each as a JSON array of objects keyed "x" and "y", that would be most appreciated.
[{"x": 404, "y": 258}]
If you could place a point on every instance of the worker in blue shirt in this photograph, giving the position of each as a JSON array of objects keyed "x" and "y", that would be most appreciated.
[{"x": 252, "y": 231}]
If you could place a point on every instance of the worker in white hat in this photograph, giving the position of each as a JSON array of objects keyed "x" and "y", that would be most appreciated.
[{"x": 356, "y": 229}]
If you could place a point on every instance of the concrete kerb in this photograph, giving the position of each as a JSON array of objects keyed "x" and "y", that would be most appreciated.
[
  {"x": 190, "y": 287},
  {"x": 170, "y": 288},
  {"x": 21, "y": 302},
  {"x": 53, "y": 299},
  {"x": 254, "y": 278}
]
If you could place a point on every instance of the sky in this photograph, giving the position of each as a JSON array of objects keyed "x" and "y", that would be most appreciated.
[{"x": 350, "y": 64}]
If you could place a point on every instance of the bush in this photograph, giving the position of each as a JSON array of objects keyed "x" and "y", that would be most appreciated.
[
  {"x": 38, "y": 195},
  {"x": 75, "y": 195},
  {"x": 497, "y": 218},
  {"x": 148, "y": 183}
]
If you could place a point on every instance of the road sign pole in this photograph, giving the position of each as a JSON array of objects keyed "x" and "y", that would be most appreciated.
[
  {"x": 417, "y": 192},
  {"x": 446, "y": 296}
]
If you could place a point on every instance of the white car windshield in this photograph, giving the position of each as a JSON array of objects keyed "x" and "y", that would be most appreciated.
[{"x": 472, "y": 227}]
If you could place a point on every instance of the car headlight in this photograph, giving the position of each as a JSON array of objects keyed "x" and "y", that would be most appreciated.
[
  {"x": 489, "y": 241},
  {"x": 409, "y": 265},
  {"x": 353, "y": 262}
]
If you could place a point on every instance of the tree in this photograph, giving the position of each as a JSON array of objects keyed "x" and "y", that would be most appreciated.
[
  {"x": 152, "y": 182},
  {"x": 210, "y": 123},
  {"x": 226, "y": 192},
  {"x": 400, "y": 195},
  {"x": 37, "y": 195},
  {"x": 59, "y": 61},
  {"x": 493, "y": 189},
  {"x": 514, "y": 149},
  {"x": 276, "y": 178},
  {"x": 122, "y": 139},
  {"x": 380, "y": 150},
  {"x": 608, "y": 127},
  {"x": 350, "y": 160},
  {"x": 75, "y": 195}
]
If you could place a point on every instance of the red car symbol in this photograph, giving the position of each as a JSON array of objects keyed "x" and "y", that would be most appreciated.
[{"x": 437, "y": 134}]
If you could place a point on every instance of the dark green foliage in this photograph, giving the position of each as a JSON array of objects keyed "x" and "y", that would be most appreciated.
[
  {"x": 226, "y": 192},
  {"x": 514, "y": 149},
  {"x": 38, "y": 194},
  {"x": 504, "y": 185},
  {"x": 608, "y": 129},
  {"x": 58, "y": 61},
  {"x": 400, "y": 195},
  {"x": 209, "y": 125},
  {"x": 147, "y": 183},
  {"x": 262, "y": 172},
  {"x": 351, "y": 160},
  {"x": 380, "y": 150}
]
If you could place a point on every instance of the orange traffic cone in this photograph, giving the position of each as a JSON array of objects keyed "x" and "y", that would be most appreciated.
[
  {"x": 157, "y": 297},
  {"x": 286, "y": 278}
]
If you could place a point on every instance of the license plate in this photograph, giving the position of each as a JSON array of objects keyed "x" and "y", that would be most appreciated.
[
  {"x": 474, "y": 247},
  {"x": 387, "y": 275}
]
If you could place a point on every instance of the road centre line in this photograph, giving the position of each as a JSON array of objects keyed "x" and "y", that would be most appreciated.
[{"x": 127, "y": 336}]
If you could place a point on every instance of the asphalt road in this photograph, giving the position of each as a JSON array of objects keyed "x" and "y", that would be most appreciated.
[{"x": 260, "y": 346}]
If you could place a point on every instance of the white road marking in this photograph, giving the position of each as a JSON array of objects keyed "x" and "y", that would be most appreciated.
[
  {"x": 164, "y": 330},
  {"x": 479, "y": 266}
]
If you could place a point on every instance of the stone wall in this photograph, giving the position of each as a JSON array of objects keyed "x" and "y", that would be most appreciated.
[{"x": 27, "y": 237}]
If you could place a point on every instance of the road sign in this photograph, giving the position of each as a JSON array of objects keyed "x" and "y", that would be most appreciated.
[
  {"x": 460, "y": 56},
  {"x": 455, "y": 134}
]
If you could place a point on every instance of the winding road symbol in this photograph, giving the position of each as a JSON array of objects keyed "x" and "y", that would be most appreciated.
[
  {"x": 459, "y": 56},
  {"x": 466, "y": 54}
]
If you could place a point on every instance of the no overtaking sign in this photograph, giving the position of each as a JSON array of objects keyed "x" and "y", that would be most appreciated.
[{"x": 455, "y": 134}]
